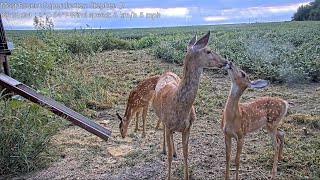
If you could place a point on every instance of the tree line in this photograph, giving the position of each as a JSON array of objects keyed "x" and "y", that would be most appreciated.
[{"x": 308, "y": 12}]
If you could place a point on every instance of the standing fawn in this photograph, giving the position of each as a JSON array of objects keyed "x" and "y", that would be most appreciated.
[
  {"x": 240, "y": 119},
  {"x": 173, "y": 100},
  {"x": 138, "y": 101}
]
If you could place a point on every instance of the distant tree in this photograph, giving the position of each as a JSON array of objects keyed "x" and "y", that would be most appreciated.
[
  {"x": 36, "y": 23},
  {"x": 308, "y": 12},
  {"x": 41, "y": 24},
  {"x": 49, "y": 23}
]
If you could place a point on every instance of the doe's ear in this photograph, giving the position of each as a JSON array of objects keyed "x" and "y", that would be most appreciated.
[
  {"x": 259, "y": 83},
  {"x": 192, "y": 42},
  {"x": 202, "y": 42},
  {"x": 119, "y": 116}
]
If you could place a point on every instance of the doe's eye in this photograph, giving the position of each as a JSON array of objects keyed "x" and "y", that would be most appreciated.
[{"x": 208, "y": 52}]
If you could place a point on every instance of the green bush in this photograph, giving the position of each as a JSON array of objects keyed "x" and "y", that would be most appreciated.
[
  {"x": 88, "y": 43},
  {"x": 77, "y": 44},
  {"x": 33, "y": 61},
  {"x": 25, "y": 130},
  {"x": 171, "y": 51},
  {"x": 110, "y": 43},
  {"x": 148, "y": 41}
]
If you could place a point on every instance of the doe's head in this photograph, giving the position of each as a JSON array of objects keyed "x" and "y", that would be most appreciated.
[
  {"x": 203, "y": 56},
  {"x": 241, "y": 80}
]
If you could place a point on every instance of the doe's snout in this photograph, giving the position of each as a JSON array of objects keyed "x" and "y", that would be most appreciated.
[{"x": 228, "y": 64}]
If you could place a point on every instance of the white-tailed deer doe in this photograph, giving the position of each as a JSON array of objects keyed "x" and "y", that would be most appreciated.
[
  {"x": 138, "y": 101},
  {"x": 240, "y": 119},
  {"x": 173, "y": 100}
]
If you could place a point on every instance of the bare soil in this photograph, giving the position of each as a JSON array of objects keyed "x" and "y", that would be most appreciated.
[{"x": 81, "y": 155}]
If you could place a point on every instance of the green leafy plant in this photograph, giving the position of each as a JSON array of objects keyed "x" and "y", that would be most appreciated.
[{"x": 25, "y": 130}]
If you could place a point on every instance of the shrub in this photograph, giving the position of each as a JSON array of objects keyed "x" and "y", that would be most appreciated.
[
  {"x": 25, "y": 130},
  {"x": 88, "y": 43},
  {"x": 148, "y": 41},
  {"x": 33, "y": 61},
  {"x": 110, "y": 43},
  {"x": 170, "y": 51}
]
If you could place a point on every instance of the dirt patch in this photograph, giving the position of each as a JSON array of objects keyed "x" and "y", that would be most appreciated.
[
  {"x": 81, "y": 155},
  {"x": 120, "y": 150}
]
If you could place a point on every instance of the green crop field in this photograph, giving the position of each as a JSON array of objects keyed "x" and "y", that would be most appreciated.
[{"x": 93, "y": 70}]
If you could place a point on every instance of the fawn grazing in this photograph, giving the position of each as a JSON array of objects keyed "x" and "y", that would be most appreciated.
[
  {"x": 138, "y": 101},
  {"x": 240, "y": 119},
  {"x": 173, "y": 99}
]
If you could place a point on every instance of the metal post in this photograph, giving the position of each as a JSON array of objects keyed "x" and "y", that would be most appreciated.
[{"x": 6, "y": 66}]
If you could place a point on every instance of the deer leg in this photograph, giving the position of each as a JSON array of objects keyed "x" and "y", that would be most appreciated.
[
  {"x": 137, "y": 121},
  {"x": 228, "y": 152},
  {"x": 185, "y": 143},
  {"x": 169, "y": 155},
  {"x": 144, "y": 115},
  {"x": 174, "y": 149},
  {"x": 280, "y": 138},
  {"x": 164, "y": 140},
  {"x": 239, "y": 149},
  {"x": 273, "y": 135}
]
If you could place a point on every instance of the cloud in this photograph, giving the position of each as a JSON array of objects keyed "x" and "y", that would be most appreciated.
[
  {"x": 263, "y": 11},
  {"x": 18, "y": 23},
  {"x": 67, "y": 22},
  {"x": 169, "y": 12},
  {"x": 175, "y": 12},
  {"x": 215, "y": 18}
]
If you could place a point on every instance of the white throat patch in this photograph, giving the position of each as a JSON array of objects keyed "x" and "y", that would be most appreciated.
[{"x": 234, "y": 88}]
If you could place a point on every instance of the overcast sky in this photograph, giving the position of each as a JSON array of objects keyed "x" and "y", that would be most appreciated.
[{"x": 18, "y": 14}]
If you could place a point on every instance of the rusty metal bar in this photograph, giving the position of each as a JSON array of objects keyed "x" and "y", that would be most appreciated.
[{"x": 53, "y": 106}]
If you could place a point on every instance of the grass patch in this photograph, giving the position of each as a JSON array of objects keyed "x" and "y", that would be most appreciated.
[
  {"x": 178, "y": 171},
  {"x": 25, "y": 130},
  {"x": 301, "y": 148},
  {"x": 311, "y": 121}
]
